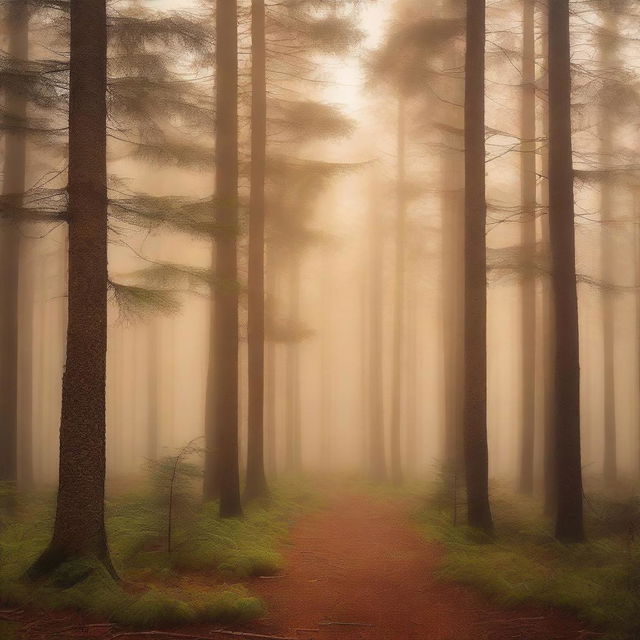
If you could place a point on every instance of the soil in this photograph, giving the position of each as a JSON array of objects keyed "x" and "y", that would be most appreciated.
[
  {"x": 355, "y": 570},
  {"x": 360, "y": 570}
]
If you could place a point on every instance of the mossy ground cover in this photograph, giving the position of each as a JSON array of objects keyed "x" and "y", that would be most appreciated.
[
  {"x": 155, "y": 590},
  {"x": 598, "y": 580}
]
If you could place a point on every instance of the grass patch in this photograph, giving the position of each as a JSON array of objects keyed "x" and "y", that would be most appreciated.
[
  {"x": 598, "y": 580},
  {"x": 155, "y": 591}
]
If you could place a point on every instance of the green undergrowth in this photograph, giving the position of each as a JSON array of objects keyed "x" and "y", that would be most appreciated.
[
  {"x": 598, "y": 580},
  {"x": 155, "y": 589}
]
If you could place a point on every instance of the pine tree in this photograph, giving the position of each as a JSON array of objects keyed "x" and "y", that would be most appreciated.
[
  {"x": 475, "y": 380},
  {"x": 13, "y": 186},
  {"x": 569, "y": 518},
  {"x": 256, "y": 478},
  {"x": 528, "y": 182},
  {"x": 79, "y": 524},
  {"x": 222, "y": 473}
]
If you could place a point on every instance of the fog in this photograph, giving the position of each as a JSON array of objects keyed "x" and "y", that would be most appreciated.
[
  {"x": 157, "y": 360},
  {"x": 320, "y": 317}
]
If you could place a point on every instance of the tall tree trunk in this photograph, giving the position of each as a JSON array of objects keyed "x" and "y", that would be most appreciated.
[
  {"x": 26, "y": 369},
  {"x": 636, "y": 206},
  {"x": 13, "y": 186},
  {"x": 452, "y": 308},
  {"x": 155, "y": 367},
  {"x": 270, "y": 419},
  {"x": 293, "y": 417},
  {"x": 222, "y": 471},
  {"x": 569, "y": 518},
  {"x": 452, "y": 279},
  {"x": 256, "y": 478},
  {"x": 528, "y": 182},
  {"x": 475, "y": 387},
  {"x": 411, "y": 388},
  {"x": 399, "y": 296},
  {"x": 79, "y": 524},
  {"x": 377, "y": 458},
  {"x": 608, "y": 64},
  {"x": 326, "y": 371},
  {"x": 547, "y": 346}
]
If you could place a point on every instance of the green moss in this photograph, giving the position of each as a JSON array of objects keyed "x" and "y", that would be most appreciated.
[
  {"x": 154, "y": 609},
  {"x": 228, "y": 549},
  {"x": 599, "y": 580}
]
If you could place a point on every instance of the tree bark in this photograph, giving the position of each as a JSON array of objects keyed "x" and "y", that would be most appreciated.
[
  {"x": 222, "y": 472},
  {"x": 475, "y": 388},
  {"x": 79, "y": 523},
  {"x": 13, "y": 186},
  {"x": 256, "y": 478},
  {"x": 569, "y": 517},
  {"x": 528, "y": 181}
]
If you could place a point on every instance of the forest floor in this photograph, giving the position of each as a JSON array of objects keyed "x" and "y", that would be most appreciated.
[{"x": 356, "y": 569}]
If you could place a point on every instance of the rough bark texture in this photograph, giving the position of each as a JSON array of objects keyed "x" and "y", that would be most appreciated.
[
  {"x": 13, "y": 185},
  {"x": 377, "y": 462},
  {"x": 79, "y": 523},
  {"x": 569, "y": 518},
  {"x": 475, "y": 388},
  {"x": 256, "y": 478},
  {"x": 528, "y": 182},
  {"x": 399, "y": 297},
  {"x": 222, "y": 472}
]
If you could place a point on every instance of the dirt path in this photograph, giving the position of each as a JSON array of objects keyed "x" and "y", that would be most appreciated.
[{"x": 359, "y": 562}]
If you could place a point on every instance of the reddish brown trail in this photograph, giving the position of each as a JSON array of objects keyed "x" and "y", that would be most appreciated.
[
  {"x": 355, "y": 570},
  {"x": 359, "y": 570}
]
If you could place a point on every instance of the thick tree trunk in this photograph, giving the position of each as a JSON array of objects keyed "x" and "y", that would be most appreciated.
[
  {"x": 475, "y": 388},
  {"x": 607, "y": 151},
  {"x": 569, "y": 518},
  {"x": 222, "y": 472},
  {"x": 13, "y": 186},
  {"x": 79, "y": 524},
  {"x": 377, "y": 458},
  {"x": 528, "y": 181},
  {"x": 399, "y": 297},
  {"x": 256, "y": 478}
]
